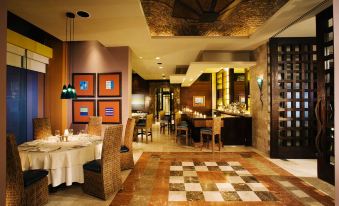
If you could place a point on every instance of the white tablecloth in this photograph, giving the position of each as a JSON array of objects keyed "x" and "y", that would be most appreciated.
[{"x": 63, "y": 160}]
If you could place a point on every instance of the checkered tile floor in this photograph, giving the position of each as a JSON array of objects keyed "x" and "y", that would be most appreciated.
[{"x": 214, "y": 182}]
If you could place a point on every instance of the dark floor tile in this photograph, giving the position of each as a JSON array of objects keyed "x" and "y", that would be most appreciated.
[
  {"x": 176, "y": 187},
  {"x": 195, "y": 196},
  {"x": 209, "y": 187},
  {"x": 199, "y": 163},
  {"x": 266, "y": 196},
  {"x": 213, "y": 168},
  {"x": 176, "y": 163},
  {"x": 249, "y": 179},
  {"x": 236, "y": 168},
  {"x": 241, "y": 187},
  {"x": 230, "y": 196},
  {"x": 230, "y": 173},
  {"x": 191, "y": 179},
  {"x": 222, "y": 164},
  {"x": 188, "y": 168},
  {"x": 176, "y": 173}
]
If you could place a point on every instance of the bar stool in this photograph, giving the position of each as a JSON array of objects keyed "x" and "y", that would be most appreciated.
[
  {"x": 215, "y": 130},
  {"x": 146, "y": 128},
  {"x": 181, "y": 127}
]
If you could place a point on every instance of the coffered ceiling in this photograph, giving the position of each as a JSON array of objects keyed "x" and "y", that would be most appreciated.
[
  {"x": 208, "y": 17},
  {"x": 123, "y": 23}
]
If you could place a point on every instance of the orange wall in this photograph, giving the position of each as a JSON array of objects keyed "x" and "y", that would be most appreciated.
[
  {"x": 3, "y": 25},
  {"x": 55, "y": 108}
]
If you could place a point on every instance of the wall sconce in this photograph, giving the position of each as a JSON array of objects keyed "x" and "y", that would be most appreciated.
[{"x": 260, "y": 81}]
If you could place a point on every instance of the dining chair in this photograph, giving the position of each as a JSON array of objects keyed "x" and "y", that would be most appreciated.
[
  {"x": 102, "y": 177},
  {"x": 42, "y": 128},
  {"x": 94, "y": 126},
  {"x": 146, "y": 128},
  {"x": 211, "y": 133},
  {"x": 181, "y": 128},
  {"x": 126, "y": 150},
  {"x": 23, "y": 188},
  {"x": 163, "y": 122}
]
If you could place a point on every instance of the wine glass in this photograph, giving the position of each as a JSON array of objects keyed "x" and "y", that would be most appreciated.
[{"x": 70, "y": 132}]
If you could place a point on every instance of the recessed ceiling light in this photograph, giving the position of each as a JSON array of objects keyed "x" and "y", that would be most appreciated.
[
  {"x": 163, "y": 74},
  {"x": 157, "y": 58},
  {"x": 141, "y": 57},
  {"x": 191, "y": 79},
  {"x": 83, "y": 14},
  {"x": 164, "y": 78},
  {"x": 161, "y": 67}
]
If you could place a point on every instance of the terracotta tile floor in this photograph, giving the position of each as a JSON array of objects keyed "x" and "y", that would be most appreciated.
[
  {"x": 149, "y": 182},
  {"x": 227, "y": 178}
]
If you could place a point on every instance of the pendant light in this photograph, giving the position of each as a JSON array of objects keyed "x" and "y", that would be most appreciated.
[{"x": 69, "y": 92}]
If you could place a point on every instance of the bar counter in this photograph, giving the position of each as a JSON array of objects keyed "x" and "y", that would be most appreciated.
[{"x": 235, "y": 129}]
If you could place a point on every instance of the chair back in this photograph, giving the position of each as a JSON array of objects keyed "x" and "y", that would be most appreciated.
[
  {"x": 216, "y": 125},
  {"x": 161, "y": 115},
  {"x": 129, "y": 131},
  {"x": 149, "y": 121},
  {"x": 94, "y": 126},
  {"x": 110, "y": 156},
  {"x": 42, "y": 128},
  {"x": 14, "y": 174},
  {"x": 177, "y": 118}
]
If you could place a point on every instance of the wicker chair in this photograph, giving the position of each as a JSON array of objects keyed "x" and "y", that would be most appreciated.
[
  {"x": 23, "y": 188},
  {"x": 215, "y": 130},
  {"x": 42, "y": 128},
  {"x": 94, "y": 126},
  {"x": 126, "y": 151},
  {"x": 146, "y": 128},
  {"x": 181, "y": 128},
  {"x": 103, "y": 177}
]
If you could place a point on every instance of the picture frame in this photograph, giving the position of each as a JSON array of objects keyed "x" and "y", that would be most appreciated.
[
  {"x": 84, "y": 84},
  {"x": 198, "y": 101},
  {"x": 109, "y": 84},
  {"x": 110, "y": 111},
  {"x": 82, "y": 110}
]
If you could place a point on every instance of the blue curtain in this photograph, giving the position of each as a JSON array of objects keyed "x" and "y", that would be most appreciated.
[{"x": 22, "y": 102}]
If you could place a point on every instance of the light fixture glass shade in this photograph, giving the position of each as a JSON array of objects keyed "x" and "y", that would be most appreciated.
[{"x": 64, "y": 93}]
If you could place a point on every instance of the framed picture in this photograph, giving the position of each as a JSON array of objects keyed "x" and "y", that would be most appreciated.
[
  {"x": 82, "y": 110},
  {"x": 109, "y": 84},
  {"x": 198, "y": 101},
  {"x": 110, "y": 111},
  {"x": 84, "y": 84}
]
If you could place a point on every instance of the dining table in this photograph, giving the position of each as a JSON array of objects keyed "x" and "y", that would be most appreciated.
[{"x": 63, "y": 159}]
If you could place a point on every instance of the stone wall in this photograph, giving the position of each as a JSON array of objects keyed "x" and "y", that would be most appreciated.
[{"x": 260, "y": 112}]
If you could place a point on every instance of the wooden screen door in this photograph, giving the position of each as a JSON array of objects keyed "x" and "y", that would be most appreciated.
[
  {"x": 293, "y": 96},
  {"x": 325, "y": 103}
]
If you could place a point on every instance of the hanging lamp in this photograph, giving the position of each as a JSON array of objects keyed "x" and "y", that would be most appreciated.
[{"x": 69, "y": 92}]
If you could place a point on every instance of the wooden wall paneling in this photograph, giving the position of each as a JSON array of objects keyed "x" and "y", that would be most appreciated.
[
  {"x": 231, "y": 83},
  {"x": 198, "y": 88}
]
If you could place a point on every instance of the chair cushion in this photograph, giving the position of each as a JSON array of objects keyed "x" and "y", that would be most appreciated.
[
  {"x": 94, "y": 166},
  {"x": 206, "y": 130},
  {"x": 181, "y": 127},
  {"x": 32, "y": 176},
  {"x": 124, "y": 149},
  {"x": 141, "y": 122},
  {"x": 184, "y": 123}
]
